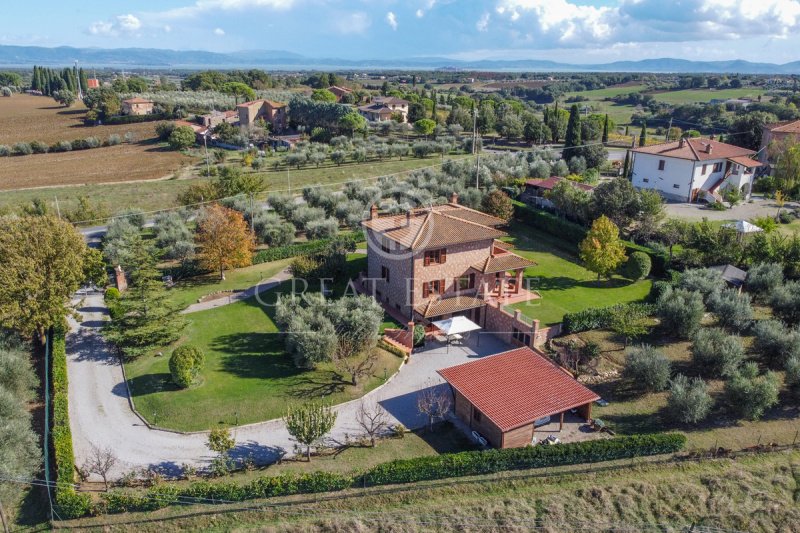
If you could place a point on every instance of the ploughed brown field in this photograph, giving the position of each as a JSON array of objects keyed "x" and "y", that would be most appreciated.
[{"x": 25, "y": 118}]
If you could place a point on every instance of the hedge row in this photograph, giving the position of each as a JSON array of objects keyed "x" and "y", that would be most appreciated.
[
  {"x": 133, "y": 119},
  {"x": 491, "y": 461},
  {"x": 574, "y": 233},
  {"x": 399, "y": 471},
  {"x": 70, "y": 504},
  {"x": 293, "y": 250},
  {"x": 601, "y": 317},
  {"x": 264, "y": 487}
]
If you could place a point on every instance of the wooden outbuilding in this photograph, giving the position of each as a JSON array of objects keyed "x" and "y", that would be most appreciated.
[{"x": 503, "y": 396}]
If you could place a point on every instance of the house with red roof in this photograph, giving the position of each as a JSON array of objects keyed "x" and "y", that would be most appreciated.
[
  {"x": 776, "y": 133},
  {"x": 273, "y": 113},
  {"x": 505, "y": 396},
  {"x": 694, "y": 170}
]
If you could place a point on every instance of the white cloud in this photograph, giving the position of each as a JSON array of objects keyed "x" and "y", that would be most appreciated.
[
  {"x": 420, "y": 13},
  {"x": 219, "y": 32},
  {"x": 127, "y": 24},
  {"x": 351, "y": 23},
  {"x": 391, "y": 20},
  {"x": 203, "y": 6},
  {"x": 167, "y": 28},
  {"x": 483, "y": 22}
]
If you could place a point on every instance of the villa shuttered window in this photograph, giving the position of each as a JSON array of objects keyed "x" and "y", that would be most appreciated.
[
  {"x": 432, "y": 287},
  {"x": 435, "y": 257}
]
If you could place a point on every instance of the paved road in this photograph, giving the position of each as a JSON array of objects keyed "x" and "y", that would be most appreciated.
[
  {"x": 759, "y": 207},
  {"x": 100, "y": 414}
]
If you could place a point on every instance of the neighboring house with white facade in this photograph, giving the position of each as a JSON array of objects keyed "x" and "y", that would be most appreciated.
[{"x": 692, "y": 170}]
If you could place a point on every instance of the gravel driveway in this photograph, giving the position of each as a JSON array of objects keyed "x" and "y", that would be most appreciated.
[
  {"x": 101, "y": 416},
  {"x": 759, "y": 207}
]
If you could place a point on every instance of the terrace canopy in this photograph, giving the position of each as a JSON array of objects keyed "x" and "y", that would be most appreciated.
[
  {"x": 456, "y": 325},
  {"x": 743, "y": 227}
]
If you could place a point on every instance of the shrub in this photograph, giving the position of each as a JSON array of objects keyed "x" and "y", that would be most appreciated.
[
  {"x": 749, "y": 394},
  {"x": 733, "y": 310},
  {"x": 304, "y": 266},
  {"x": 688, "y": 401},
  {"x": 304, "y": 214},
  {"x": 114, "y": 139},
  {"x": 716, "y": 353},
  {"x": 294, "y": 250},
  {"x": 61, "y": 146},
  {"x": 184, "y": 365},
  {"x": 164, "y": 130},
  {"x": 419, "y": 335},
  {"x": 5, "y": 150},
  {"x": 181, "y": 138},
  {"x": 21, "y": 149},
  {"x": 69, "y": 503},
  {"x": 775, "y": 343},
  {"x": 637, "y": 266},
  {"x": 657, "y": 289},
  {"x": 647, "y": 368},
  {"x": 38, "y": 147},
  {"x": 322, "y": 229},
  {"x": 785, "y": 302},
  {"x": 702, "y": 280},
  {"x": 763, "y": 278},
  {"x": 792, "y": 378},
  {"x": 92, "y": 142},
  {"x": 498, "y": 204},
  {"x": 602, "y": 317},
  {"x": 486, "y": 462},
  {"x": 79, "y": 144},
  {"x": 680, "y": 312},
  {"x": 111, "y": 295}
]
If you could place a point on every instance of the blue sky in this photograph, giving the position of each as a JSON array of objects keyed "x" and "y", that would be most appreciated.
[{"x": 562, "y": 30}]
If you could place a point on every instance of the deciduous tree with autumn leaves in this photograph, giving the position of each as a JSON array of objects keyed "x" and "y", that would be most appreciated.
[
  {"x": 602, "y": 250},
  {"x": 224, "y": 239}
]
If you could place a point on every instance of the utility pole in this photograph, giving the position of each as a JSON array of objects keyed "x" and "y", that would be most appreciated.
[
  {"x": 3, "y": 518},
  {"x": 252, "y": 220},
  {"x": 205, "y": 144},
  {"x": 58, "y": 209},
  {"x": 475, "y": 151},
  {"x": 669, "y": 128}
]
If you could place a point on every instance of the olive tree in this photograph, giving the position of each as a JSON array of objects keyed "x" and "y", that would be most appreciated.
[
  {"x": 688, "y": 401},
  {"x": 732, "y": 309},
  {"x": 680, "y": 312},
  {"x": 647, "y": 368},
  {"x": 716, "y": 353},
  {"x": 749, "y": 394}
]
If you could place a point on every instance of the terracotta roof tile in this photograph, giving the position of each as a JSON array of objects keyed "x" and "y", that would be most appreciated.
[
  {"x": 695, "y": 150},
  {"x": 137, "y": 100},
  {"x": 502, "y": 263},
  {"x": 517, "y": 387},
  {"x": 746, "y": 161},
  {"x": 788, "y": 126},
  {"x": 447, "y": 306}
]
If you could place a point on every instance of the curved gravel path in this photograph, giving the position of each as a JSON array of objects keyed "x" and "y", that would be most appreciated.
[{"x": 100, "y": 412}]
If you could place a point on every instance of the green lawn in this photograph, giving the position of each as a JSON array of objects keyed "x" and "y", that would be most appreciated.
[
  {"x": 248, "y": 377},
  {"x": 608, "y": 92},
  {"x": 705, "y": 95},
  {"x": 187, "y": 291},
  {"x": 564, "y": 284}
]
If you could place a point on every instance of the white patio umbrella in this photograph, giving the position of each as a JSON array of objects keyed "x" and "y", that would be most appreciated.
[
  {"x": 743, "y": 226},
  {"x": 456, "y": 325}
]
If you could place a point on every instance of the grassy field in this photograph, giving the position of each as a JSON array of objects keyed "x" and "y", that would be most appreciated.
[
  {"x": 187, "y": 291},
  {"x": 689, "y": 96},
  {"x": 752, "y": 493},
  {"x": 153, "y": 195},
  {"x": 608, "y": 92},
  {"x": 564, "y": 284}
]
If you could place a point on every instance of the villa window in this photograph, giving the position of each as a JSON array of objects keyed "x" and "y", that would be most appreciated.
[
  {"x": 717, "y": 167},
  {"x": 432, "y": 287},
  {"x": 385, "y": 273},
  {"x": 661, "y": 164},
  {"x": 705, "y": 169},
  {"x": 385, "y": 244},
  {"x": 676, "y": 186},
  {"x": 521, "y": 336},
  {"x": 435, "y": 257},
  {"x": 464, "y": 283},
  {"x": 476, "y": 415}
]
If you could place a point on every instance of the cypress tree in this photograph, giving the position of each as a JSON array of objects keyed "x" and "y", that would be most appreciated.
[
  {"x": 643, "y": 134},
  {"x": 573, "y": 136},
  {"x": 626, "y": 131},
  {"x": 433, "y": 111},
  {"x": 605, "y": 130},
  {"x": 84, "y": 81},
  {"x": 626, "y": 165}
]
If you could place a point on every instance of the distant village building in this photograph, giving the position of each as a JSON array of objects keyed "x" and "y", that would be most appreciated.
[
  {"x": 778, "y": 132},
  {"x": 691, "y": 170},
  {"x": 218, "y": 117},
  {"x": 340, "y": 92},
  {"x": 92, "y": 83},
  {"x": 383, "y": 107},
  {"x": 274, "y": 113},
  {"x": 137, "y": 106}
]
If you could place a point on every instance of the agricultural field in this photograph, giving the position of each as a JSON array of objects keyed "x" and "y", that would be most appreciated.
[
  {"x": 609, "y": 92},
  {"x": 690, "y": 96},
  {"x": 35, "y": 118}
]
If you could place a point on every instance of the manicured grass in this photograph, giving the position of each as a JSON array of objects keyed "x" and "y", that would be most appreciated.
[
  {"x": 189, "y": 290},
  {"x": 608, "y": 92},
  {"x": 565, "y": 285},
  {"x": 705, "y": 95},
  {"x": 248, "y": 377}
]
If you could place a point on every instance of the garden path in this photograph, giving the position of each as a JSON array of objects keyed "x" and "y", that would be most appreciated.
[{"x": 258, "y": 288}]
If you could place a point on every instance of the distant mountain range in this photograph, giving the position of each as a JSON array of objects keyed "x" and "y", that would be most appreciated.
[{"x": 25, "y": 56}]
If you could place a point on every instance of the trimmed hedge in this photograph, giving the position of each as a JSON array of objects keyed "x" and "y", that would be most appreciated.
[
  {"x": 601, "y": 317},
  {"x": 491, "y": 461},
  {"x": 399, "y": 471},
  {"x": 167, "y": 494},
  {"x": 69, "y": 503},
  {"x": 293, "y": 250},
  {"x": 574, "y": 233}
]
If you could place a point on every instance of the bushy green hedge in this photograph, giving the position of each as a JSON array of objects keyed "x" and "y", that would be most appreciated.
[
  {"x": 400, "y": 471},
  {"x": 70, "y": 504},
  {"x": 167, "y": 494},
  {"x": 293, "y": 250},
  {"x": 574, "y": 233},
  {"x": 601, "y": 317},
  {"x": 490, "y": 461}
]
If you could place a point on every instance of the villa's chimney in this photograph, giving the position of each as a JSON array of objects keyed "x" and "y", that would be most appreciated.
[
  {"x": 454, "y": 198},
  {"x": 712, "y": 137},
  {"x": 681, "y": 142},
  {"x": 408, "y": 218},
  {"x": 709, "y": 148},
  {"x": 373, "y": 212}
]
